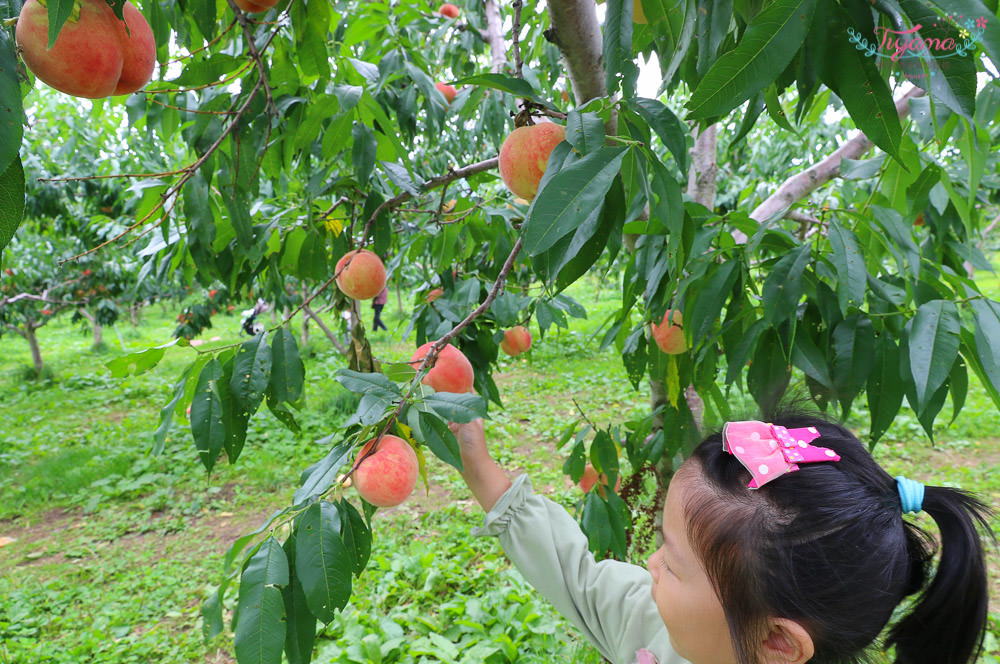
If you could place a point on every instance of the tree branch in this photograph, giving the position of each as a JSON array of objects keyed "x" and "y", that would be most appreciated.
[{"x": 797, "y": 187}]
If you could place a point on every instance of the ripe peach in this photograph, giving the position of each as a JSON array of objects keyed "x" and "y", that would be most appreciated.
[
  {"x": 364, "y": 277},
  {"x": 452, "y": 371},
  {"x": 387, "y": 477},
  {"x": 590, "y": 478},
  {"x": 670, "y": 337},
  {"x": 449, "y": 10},
  {"x": 435, "y": 294},
  {"x": 255, "y": 6},
  {"x": 524, "y": 155},
  {"x": 94, "y": 55},
  {"x": 138, "y": 51},
  {"x": 448, "y": 91},
  {"x": 516, "y": 340}
]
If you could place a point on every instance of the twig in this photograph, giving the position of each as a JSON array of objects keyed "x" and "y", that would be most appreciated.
[
  {"x": 432, "y": 352},
  {"x": 433, "y": 183},
  {"x": 254, "y": 54},
  {"x": 517, "y": 36}
]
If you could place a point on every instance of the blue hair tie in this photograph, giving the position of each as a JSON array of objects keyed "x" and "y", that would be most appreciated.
[{"x": 911, "y": 494}]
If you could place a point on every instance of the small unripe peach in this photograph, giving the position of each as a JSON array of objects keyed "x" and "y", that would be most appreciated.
[
  {"x": 435, "y": 294},
  {"x": 448, "y": 91},
  {"x": 516, "y": 340},
  {"x": 525, "y": 154},
  {"x": 452, "y": 371},
  {"x": 364, "y": 277},
  {"x": 386, "y": 477},
  {"x": 255, "y": 6},
  {"x": 449, "y": 10},
  {"x": 669, "y": 334}
]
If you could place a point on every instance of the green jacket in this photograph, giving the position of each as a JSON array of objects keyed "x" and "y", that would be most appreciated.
[{"x": 609, "y": 601}]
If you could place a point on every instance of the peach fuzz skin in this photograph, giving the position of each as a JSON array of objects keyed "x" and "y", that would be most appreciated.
[
  {"x": 387, "y": 477},
  {"x": 670, "y": 337},
  {"x": 525, "y": 154},
  {"x": 452, "y": 371},
  {"x": 363, "y": 278},
  {"x": 94, "y": 55},
  {"x": 516, "y": 340}
]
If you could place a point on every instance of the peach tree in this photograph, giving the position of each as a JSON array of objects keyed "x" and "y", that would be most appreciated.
[{"x": 809, "y": 184}]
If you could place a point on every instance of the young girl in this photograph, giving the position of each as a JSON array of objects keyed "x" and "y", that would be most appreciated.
[{"x": 783, "y": 543}]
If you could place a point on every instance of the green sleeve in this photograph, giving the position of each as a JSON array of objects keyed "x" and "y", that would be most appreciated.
[{"x": 609, "y": 601}]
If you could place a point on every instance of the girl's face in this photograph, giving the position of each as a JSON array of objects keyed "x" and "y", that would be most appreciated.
[{"x": 682, "y": 591}]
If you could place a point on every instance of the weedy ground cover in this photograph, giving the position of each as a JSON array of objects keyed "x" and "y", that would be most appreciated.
[{"x": 107, "y": 551}]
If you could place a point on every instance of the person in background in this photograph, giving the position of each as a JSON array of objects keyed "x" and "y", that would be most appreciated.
[{"x": 377, "y": 304}]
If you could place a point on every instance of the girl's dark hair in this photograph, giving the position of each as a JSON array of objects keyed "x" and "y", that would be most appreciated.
[{"x": 827, "y": 546}]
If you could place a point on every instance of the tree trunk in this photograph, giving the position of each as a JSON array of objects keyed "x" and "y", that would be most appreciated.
[
  {"x": 36, "y": 351},
  {"x": 95, "y": 327},
  {"x": 305, "y": 332},
  {"x": 329, "y": 335}
]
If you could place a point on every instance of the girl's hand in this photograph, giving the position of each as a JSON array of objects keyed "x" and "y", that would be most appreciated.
[
  {"x": 485, "y": 478},
  {"x": 471, "y": 440}
]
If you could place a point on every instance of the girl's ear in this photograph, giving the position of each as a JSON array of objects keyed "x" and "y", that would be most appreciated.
[{"x": 787, "y": 642}]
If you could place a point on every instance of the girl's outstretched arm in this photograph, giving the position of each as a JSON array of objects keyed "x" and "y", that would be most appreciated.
[{"x": 486, "y": 479}]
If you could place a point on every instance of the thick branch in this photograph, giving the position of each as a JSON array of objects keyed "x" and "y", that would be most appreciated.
[
  {"x": 577, "y": 33},
  {"x": 797, "y": 187},
  {"x": 329, "y": 335},
  {"x": 702, "y": 180}
]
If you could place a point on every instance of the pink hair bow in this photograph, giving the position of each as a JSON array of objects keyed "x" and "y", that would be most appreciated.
[{"x": 769, "y": 451}]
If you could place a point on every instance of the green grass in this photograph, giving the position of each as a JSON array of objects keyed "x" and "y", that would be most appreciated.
[{"x": 115, "y": 549}]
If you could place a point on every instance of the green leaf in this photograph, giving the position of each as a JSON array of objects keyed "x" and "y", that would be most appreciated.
[
  {"x": 515, "y": 86},
  {"x": 666, "y": 125},
  {"x": 768, "y": 45},
  {"x": 320, "y": 476},
  {"x": 569, "y": 196},
  {"x": 972, "y": 10},
  {"x": 933, "y": 338},
  {"x": 211, "y": 616},
  {"x": 853, "y": 344},
  {"x": 852, "y": 276},
  {"x": 287, "y": 378},
  {"x": 584, "y": 131},
  {"x": 596, "y": 523},
  {"x": 138, "y": 362},
  {"x": 59, "y": 11},
  {"x": 783, "y": 285},
  {"x": 617, "y": 43},
  {"x": 300, "y": 634},
  {"x": 435, "y": 434},
  {"x": 322, "y": 562},
  {"x": 769, "y": 372},
  {"x": 11, "y": 128},
  {"x": 167, "y": 413},
  {"x": 702, "y": 309},
  {"x": 260, "y": 629},
  {"x": 11, "y": 200},
  {"x": 986, "y": 314},
  {"x": 884, "y": 389},
  {"x": 251, "y": 375},
  {"x": 363, "y": 152},
  {"x": 456, "y": 407},
  {"x": 855, "y": 78},
  {"x": 208, "y": 414},
  {"x": 808, "y": 357},
  {"x": 357, "y": 535},
  {"x": 604, "y": 456},
  {"x": 368, "y": 383}
]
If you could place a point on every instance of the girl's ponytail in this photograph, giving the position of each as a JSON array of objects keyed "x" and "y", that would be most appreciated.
[{"x": 947, "y": 623}]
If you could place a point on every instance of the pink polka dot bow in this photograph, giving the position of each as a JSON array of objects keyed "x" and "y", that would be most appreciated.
[{"x": 769, "y": 451}]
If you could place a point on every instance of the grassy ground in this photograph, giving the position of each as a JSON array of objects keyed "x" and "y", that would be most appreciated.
[{"x": 106, "y": 552}]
